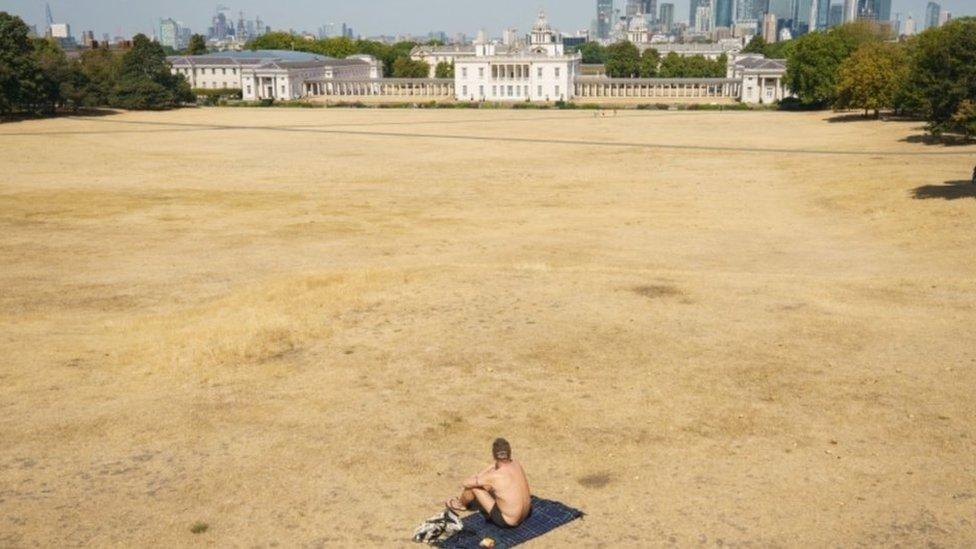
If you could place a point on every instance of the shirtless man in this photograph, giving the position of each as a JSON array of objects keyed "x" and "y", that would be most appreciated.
[{"x": 500, "y": 492}]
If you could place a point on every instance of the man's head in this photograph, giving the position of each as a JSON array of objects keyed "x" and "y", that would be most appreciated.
[{"x": 501, "y": 450}]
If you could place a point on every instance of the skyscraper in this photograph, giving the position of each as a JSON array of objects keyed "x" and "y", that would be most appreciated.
[
  {"x": 802, "y": 12},
  {"x": 823, "y": 14},
  {"x": 169, "y": 33},
  {"x": 850, "y": 11},
  {"x": 932, "y": 15},
  {"x": 722, "y": 13},
  {"x": 693, "y": 15},
  {"x": 604, "y": 18},
  {"x": 667, "y": 17},
  {"x": 836, "y": 17}
]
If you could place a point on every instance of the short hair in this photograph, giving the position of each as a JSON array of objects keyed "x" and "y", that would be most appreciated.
[{"x": 501, "y": 449}]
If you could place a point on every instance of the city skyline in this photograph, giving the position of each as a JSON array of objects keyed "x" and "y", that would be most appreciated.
[{"x": 385, "y": 17}]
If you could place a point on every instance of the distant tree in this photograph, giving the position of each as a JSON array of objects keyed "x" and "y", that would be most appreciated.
[
  {"x": 943, "y": 75},
  {"x": 812, "y": 70},
  {"x": 649, "y": 62},
  {"x": 58, "y": 81},
  {"x": 444, "y": 70},
  {"x": 871, "y": 78},
  {"x": 593, "y": 53},
  {"x": 18, "y": 67},
  {"x": 404, "y": 67},
  {"x": 100, "y": 69},
  {"x": 756, "y": 45},
  {"x": 145, "y": 81},
  {"x": 814, "y": 59},
  {"x": 964, "y": 121},
  {"x": 272, "y": 41},
  {"x": 623, "y": 60},
  {"x": 197, "y": 46},
  {"x": 671, "y": 66}
]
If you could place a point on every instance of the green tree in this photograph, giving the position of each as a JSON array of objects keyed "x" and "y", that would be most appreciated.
[
  {"x": 623, "y": 60},
  {"x": 672, "y": 66},
  {"x": 272, "y": 41},
  {"x": 964, "y": 121},
  {"x": 756, "y": 45},
  {"x": 812, "y": 70},
  {"x": 100, "y": 70},
  {"x": 18, "y": 67},
  {"x": 444, "y": 70},
  {"x": 871, "y": 78},
  {"x": 943, "y": 74},
  {"x": 593, "y": 53},
  {"x": 404, "y": 67},
  {"x": 145, "y": 81},
  {"x": 197, "y": 45},
  {"x": 649, "y": 62},
  {"x": 58, "y": 80}
]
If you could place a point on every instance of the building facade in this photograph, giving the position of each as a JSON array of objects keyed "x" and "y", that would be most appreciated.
[
  {"x": 270, "y": 74},
  {"x": 539, "y": 71}
]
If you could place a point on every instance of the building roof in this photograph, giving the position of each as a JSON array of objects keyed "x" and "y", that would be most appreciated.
[
  {"x": 235, "y": 58},
  {"x": 761, "y": 64}
]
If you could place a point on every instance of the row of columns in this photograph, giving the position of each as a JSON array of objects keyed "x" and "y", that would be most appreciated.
[
  {"x": 625, "y": 89},
  {"x": 510, "y": 72},
  {"x": 392, "y": 88}
]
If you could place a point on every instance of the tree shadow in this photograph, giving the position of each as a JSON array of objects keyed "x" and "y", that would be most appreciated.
[
  {"x": 950, "y": 190},
  {"x": 83, "y": 112},
  {"x": 944, "y": 140},
  {"x": 852, "y": 117}
]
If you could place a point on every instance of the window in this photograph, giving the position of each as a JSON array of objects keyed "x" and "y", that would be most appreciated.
[
  {"x": 213, "y": 71},
  {"x": 223, "y": 71},
  {"x": 539, "y": 91},
  {"x": 464, "y": 72},
  {"x": 557, "y": 72},
  {"x": 494, "y": 91},
  {"x": 509, "y": 91},
  {"x": 518, "y": 91},
  {"x": 233, "y": 71},
  {"x": 283, "y": 90},
  {"x": 481, "y": 72},
  {"x": 539, "y": 72},
  {"x": 481, "y": 91},
  {"x": 526, "y": 91},
  {"x": 557, "y": 91},
  {"x": 464, "y": 91},
  {"x": 249, "y": 89}
]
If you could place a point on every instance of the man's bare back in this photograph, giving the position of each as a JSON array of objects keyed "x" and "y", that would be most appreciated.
[
  {"x": 500, "y": 491},
  {"x": 510, "y": 488}
]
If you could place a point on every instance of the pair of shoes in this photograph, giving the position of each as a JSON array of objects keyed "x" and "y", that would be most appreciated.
[{"x": 446, "y": 523}]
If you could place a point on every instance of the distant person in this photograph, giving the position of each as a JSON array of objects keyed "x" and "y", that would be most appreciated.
[{"x": 500, "y": 492}]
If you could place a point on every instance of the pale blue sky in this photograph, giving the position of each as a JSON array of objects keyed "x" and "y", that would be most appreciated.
[{"x": 368, "y": 17}]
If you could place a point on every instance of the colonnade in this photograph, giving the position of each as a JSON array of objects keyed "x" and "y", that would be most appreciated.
[
  {"x": 658, "y": 87},
  {"x": 391, "y": 87}
]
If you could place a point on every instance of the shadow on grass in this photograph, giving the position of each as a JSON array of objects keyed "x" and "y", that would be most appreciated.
[
  {"x": 87, "y": 112},
  {"x": 944, "y": 140},
  {"x": 950, "y": 190}
]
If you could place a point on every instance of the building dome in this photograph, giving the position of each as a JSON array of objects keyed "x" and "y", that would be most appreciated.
[{"x": 541, "y": 24}]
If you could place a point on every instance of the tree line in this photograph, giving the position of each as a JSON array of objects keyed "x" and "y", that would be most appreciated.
[
  {"x": 36, "y": 77},
  {"x": 931, "y": 76},
  {"x": 395, "y": 57},
  {"x": 625, "y": 60}
]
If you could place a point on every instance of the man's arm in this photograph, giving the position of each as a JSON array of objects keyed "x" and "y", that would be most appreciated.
[{"x": 482, "y": 480}]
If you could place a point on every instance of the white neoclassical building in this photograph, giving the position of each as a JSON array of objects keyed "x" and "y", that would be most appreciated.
[
  {"x": 270, "y": 74},
  {"x": 762, "y": 81},
  {"x": 538, "y": 71}
]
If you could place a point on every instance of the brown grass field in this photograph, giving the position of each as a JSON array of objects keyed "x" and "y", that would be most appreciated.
[{"x": 303, "y": 327}]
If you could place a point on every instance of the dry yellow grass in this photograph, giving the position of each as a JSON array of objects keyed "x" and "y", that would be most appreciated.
[{"x": 302, "y": 327}]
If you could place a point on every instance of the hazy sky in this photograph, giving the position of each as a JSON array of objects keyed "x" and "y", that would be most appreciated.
[{"x": 367, "y": 17}]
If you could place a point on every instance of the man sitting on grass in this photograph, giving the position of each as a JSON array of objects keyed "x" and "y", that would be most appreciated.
[{"x": 500, "y": 492}]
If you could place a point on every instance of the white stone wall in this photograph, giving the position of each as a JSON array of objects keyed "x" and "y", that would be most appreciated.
[
  {"x": 515, "y": 79},
  {"x": 211, "y": 77}
]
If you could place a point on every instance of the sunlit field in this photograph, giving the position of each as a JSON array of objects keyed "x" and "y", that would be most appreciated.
[{"x": 304, "y": 327}]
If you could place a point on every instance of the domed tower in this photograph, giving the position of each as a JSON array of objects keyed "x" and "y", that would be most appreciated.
[
  {"x": 637, "y": 31},
  {"x": 544, "y": 40}
]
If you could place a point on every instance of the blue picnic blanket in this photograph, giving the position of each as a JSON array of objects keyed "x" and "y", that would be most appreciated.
[{"x": 546, "y": 515}]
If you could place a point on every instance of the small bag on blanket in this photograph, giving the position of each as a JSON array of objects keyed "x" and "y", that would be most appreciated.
[{"x": 446, "y": 523}]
